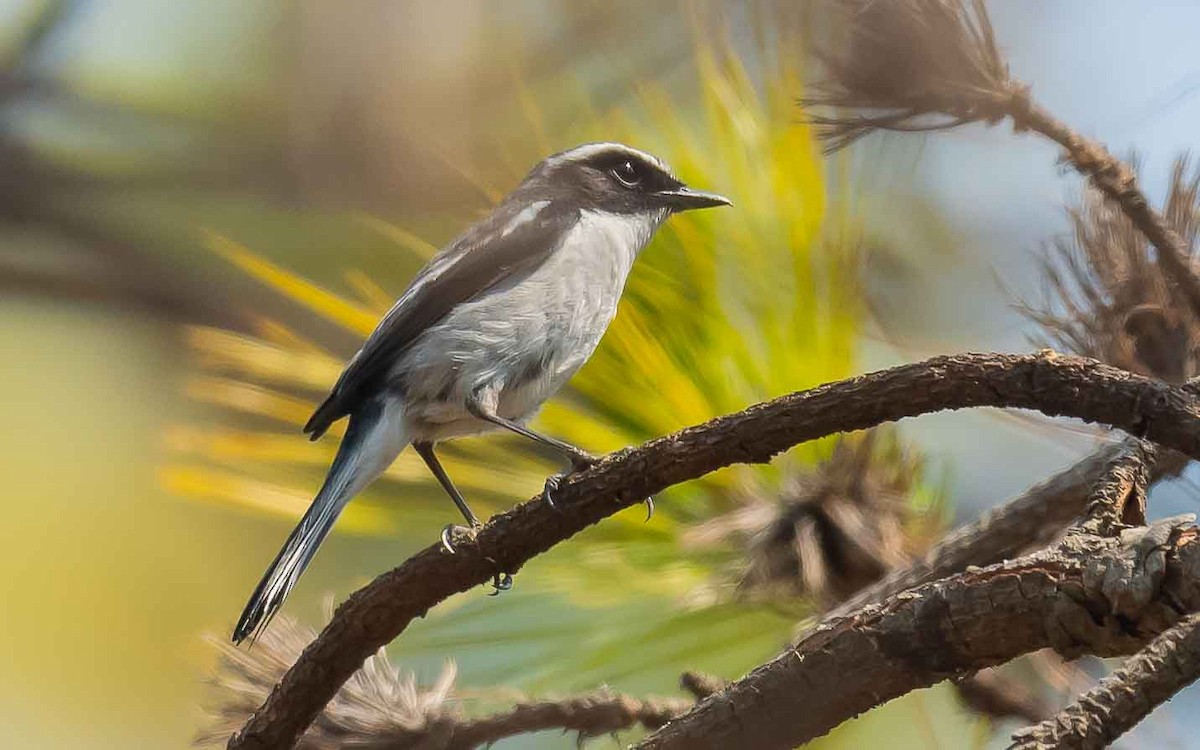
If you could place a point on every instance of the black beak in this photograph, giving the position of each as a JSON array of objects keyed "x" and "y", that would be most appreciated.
[{"x": 683, "y": 198}]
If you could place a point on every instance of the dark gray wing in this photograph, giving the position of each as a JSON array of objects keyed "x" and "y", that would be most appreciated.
[{"x": 517, "y": 236}]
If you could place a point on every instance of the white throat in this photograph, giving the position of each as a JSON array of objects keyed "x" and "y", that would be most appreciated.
[{"x": 622, "y": 235}]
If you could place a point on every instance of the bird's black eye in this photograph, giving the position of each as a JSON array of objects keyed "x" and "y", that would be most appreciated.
[{"x": 626, "y": 174}]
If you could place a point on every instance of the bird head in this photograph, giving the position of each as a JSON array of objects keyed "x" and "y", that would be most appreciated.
[{"x": 617, "y": 179}]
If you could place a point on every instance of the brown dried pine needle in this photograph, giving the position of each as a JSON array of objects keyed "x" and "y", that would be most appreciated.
[
  {"x": 909, "y": 65},
  {"x": 381, "y": 707},
  {"x": 377, "y": 702},
  {"x": 834, "y": 530},
  {"x": 1108, "y": 299}
]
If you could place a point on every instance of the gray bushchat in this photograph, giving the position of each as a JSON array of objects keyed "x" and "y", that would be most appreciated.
[{"x": 494, "y": 325}]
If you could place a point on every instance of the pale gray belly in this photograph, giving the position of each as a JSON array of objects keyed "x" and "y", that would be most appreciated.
[{"x": 525, "y": 341}]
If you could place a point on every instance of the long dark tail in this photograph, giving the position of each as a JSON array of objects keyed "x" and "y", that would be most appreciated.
[{"x": 370, "y": 446}]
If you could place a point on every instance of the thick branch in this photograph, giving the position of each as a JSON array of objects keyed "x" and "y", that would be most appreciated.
[
  {"x": 1053, "y": 384},
  {"x": 1023, "y": 523},
  {"x": 1075, "y": 599},
  {"x": 1170, "y": 663}
]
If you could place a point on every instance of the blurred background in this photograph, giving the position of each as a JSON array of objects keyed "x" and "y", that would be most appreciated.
[{"x": 204, "y": 206}]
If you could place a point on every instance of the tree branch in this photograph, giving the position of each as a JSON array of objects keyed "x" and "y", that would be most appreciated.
[
  {"x": 1053, "y": 384},
  {"x": 1083, "y": 596},
  {"x": 590, "y": 715},
  {"x": 1119, "y": 497},
  {"x": 384, "y": 707},
  {"x": 1031, "y": 519},
  {"x": 1168, "y": 664},
  {"x": 1026, "y": 522},
  {"x": 1116, "y": 180}
]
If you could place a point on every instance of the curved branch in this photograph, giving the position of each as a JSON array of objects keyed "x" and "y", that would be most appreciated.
[
  {"x": 1069, "y": 598},
  {"x": 1168, "y": 664},
  {"x": 1053, "y": 384}
]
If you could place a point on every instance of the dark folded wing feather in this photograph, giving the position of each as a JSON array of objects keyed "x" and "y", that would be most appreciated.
[{"x": 512, "y": 240}]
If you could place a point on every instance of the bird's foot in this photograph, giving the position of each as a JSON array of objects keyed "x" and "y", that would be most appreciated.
[
  {"x": 579, "y": 463},
  {"x": 580, "y": 460},
  {"x": 552, "y": 483},
  {"x": 452, "y": 531},
  {"x": 501, "y": 581}
]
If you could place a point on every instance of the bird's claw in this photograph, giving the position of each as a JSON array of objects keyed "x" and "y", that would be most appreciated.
[
  {"x": 552, "y": 483},
  {"x": 453, "y": 530},
  {"x": 501, "y": 582},
  {"x": 580, "y": 461}
]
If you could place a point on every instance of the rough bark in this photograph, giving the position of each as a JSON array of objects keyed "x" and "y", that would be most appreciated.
[
  {"x": 1119, "y": 497},
  {"x": 1170, "y": 663},
  {"x": 1034, "y": 517},
  {"x": 1053, "y": 384},
  {"x": 1089, "y": 594}
]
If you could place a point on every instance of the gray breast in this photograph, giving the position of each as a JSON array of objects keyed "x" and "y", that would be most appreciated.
[{"x": 530, "y": 334}]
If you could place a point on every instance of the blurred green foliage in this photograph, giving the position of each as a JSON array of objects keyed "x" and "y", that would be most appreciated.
[
  {"x": 724, "y": 309},
  {"x": 134, "y": 123}
]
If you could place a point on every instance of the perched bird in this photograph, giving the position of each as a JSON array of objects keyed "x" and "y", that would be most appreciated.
[{"x": 494, "y": 325}]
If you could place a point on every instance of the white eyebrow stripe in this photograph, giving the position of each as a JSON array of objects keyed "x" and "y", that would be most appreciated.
[
  {"x": 527, "y": 214},
  {"x": 588, "y": 150}
]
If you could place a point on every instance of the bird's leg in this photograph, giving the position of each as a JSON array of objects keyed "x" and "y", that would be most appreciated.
[
  {"x": 501, "y": 581},
  {"x": 484, "y": 408},
  {"x": 579, "y": 458},
  {"x": 425, "y": 451}
]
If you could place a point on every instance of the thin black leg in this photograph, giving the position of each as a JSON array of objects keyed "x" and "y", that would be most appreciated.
[
  {"x": 425, "y": 451},
  {"x": 579, "y": 458}
]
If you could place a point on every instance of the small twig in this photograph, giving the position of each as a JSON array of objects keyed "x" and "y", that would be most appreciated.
[
  {"x": 590, "y": 715},
  {"x": 1116, "y": 180},
  {"x": 383, "y": 707},
  {"x": 701, "y": 685},
  {"x": 907, "y": 61},
  {"x": 1168, "y": 664}
]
